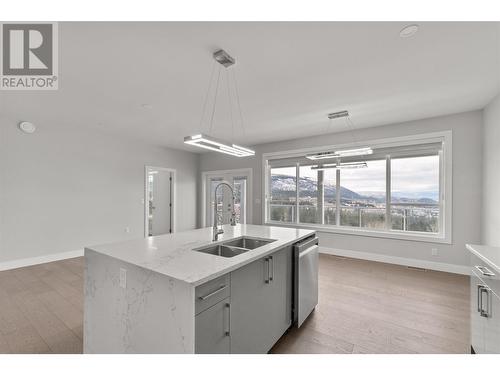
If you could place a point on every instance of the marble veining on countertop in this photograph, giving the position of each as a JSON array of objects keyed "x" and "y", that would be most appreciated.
[
  {"x": 488, "y": 254},
  {"x": 172, "y": 254}
]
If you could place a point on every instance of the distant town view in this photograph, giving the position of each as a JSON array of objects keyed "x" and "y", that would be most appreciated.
[{"x": 416, "y": 209}]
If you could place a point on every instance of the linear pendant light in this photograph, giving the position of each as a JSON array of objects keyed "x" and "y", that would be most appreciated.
[
  {"x": 340, "y": 153},
  {"x": 353, "y": 165},
  {"x": 208, "y": 142}
]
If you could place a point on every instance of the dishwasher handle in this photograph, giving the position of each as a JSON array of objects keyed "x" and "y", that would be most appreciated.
[
  {"x": 308, "y": 251},
  {"x": 307, "y": 244}
]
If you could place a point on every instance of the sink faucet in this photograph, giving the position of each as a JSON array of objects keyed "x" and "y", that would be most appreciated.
[{"x": 216, "y": 230}]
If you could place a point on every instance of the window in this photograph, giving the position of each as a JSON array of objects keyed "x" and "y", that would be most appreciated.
[
  {"x": 282, "y": 203},
  {"x": 362, "y": 196},
  {"x": 330, "y": 196},
  {"x": 415, "y": 194},
  {"x": 398, "y": 193},
  {"x": 308, "y": 195}
]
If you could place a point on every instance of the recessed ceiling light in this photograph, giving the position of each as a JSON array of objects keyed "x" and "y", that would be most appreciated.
[
  {"x": 408, "y": 31},
  {"x": 147, "y": 106}
]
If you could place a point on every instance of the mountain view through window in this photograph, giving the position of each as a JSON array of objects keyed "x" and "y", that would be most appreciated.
[{"x": 414, "y": 204}]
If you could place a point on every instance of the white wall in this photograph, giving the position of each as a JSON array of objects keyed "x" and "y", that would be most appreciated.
[
  {"x": 467, "y": 142},
  {"x": 490, "y": 219},
  {"x": 63, "y": 189}
]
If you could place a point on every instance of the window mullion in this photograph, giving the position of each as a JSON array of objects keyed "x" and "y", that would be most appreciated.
[
  {"x": 321, "y": 198},
  {"x": 297, "y": 173},
  {"x": 337, "y": 197},
  {"x": 388, "y": 220}
]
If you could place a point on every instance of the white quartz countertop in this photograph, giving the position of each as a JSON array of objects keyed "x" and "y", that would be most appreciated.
[
  {"x": 488, "y": 254},
  {"x": 172, "y": 254}
]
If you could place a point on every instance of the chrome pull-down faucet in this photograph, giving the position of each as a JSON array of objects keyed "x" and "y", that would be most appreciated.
[{"x": 216, "y": 230}]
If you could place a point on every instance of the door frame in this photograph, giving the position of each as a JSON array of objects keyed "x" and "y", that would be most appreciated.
[
  {"x": 244, "y": 171},
  {"x": 173, "y": 195}
]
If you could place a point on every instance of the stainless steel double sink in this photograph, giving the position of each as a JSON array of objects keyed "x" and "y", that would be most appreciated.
[{"x": 234, "y": 247}]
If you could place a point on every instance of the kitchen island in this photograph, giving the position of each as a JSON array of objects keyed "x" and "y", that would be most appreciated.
[{"x": 180, "y": 293}]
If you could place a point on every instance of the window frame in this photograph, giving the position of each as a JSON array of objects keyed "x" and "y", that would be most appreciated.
[{"x": 445, "y": 188}]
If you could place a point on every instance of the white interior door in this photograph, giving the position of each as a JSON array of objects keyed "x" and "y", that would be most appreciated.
[
  {"x": 240, "y": 183},
  {"x": 159, "y": 201}
]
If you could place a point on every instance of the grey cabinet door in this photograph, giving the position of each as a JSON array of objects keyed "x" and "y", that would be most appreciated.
[
  {"x": 476, "y": 320},
  {"x": 260, "y": 310},
  {"x": 492, "y": 325},
  {"x": 210, "y": 329}
]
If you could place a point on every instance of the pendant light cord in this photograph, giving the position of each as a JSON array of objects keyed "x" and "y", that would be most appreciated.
[
  {"x": 230, "y": 106},
  {"x": 238, "y": 102},
  {"x": 207, "y": 95},
  {"x": 215, "y": 103},
  {"x": 352, "y": 129}
]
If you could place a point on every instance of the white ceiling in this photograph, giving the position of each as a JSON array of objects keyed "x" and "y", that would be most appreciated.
[{"x": 290, "y": 75}]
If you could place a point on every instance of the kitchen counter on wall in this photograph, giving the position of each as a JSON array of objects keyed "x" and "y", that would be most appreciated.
[{"x": 141, "y": 295}]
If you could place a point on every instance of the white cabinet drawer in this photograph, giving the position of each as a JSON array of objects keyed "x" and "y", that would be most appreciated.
[{"x": 212, "y": 292}]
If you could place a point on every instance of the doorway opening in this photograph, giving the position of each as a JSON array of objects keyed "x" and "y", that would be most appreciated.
[{"x": 159, "y": 201}]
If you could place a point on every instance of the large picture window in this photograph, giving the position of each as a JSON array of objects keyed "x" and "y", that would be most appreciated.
[{"x": 397, "y": 191}]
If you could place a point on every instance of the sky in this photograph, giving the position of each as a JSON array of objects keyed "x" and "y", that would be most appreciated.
[{"x": 409, "y": 176}]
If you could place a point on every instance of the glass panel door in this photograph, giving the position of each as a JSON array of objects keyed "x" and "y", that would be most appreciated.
[{"x": 239, "y": 183}]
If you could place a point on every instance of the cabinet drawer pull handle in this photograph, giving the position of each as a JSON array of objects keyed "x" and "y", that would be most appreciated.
[
  {"x": 267, "y": 280},
  {"x": 220, "y": 289},
  {"x": 479, "y": 297},
  {"x": 485, "y": 271},
  {"x": 271, "y": 266},
  {"x": 228, "y": 330},
  {"x": 480, "y": 289}
]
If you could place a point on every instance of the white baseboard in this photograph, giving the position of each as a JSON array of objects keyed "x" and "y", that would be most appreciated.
[
  {"x": 17, "y": 263},
  {"x": 411, "y": 262}
]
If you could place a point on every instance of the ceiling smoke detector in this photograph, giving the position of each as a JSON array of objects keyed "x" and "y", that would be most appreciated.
[
  {"x": 408, "y": 31},
  {"x": 27, "y": 127}
]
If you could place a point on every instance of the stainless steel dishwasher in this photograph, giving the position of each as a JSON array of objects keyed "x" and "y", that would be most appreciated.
[{"x": 306, "y": 278}]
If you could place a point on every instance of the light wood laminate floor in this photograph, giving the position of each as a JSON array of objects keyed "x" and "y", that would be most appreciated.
[{"x": 364, "y": 307}]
